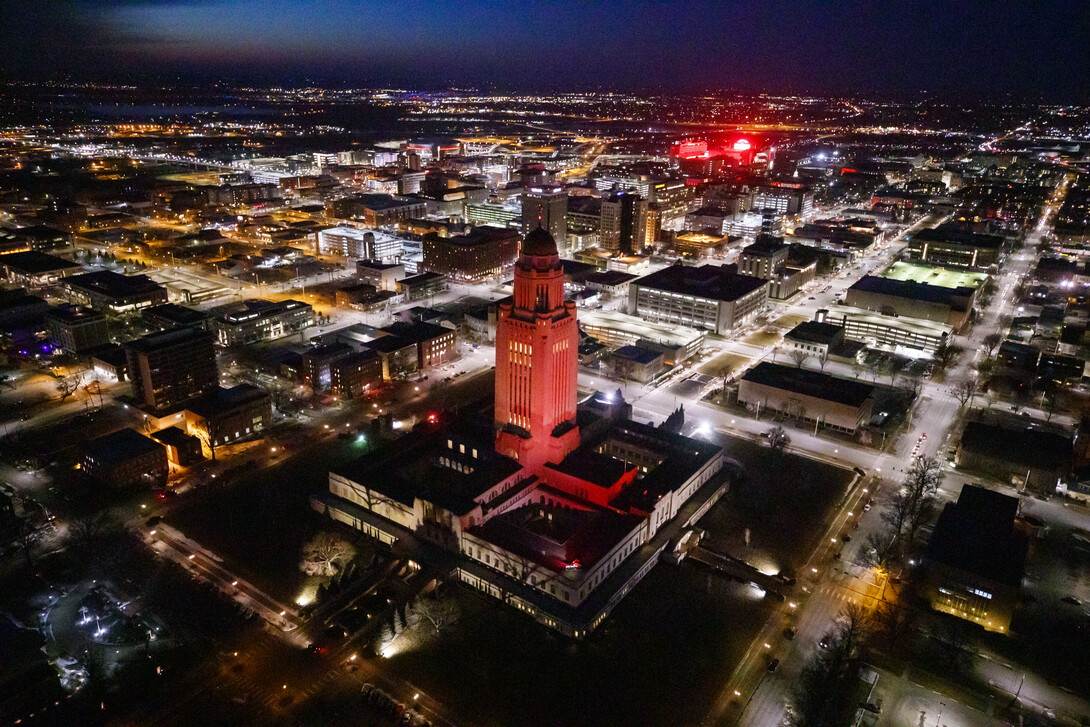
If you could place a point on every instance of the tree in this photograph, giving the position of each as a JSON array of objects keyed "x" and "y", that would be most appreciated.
[
  {"x": 823, "y": 358},
  {"x": 209, "y": 436},
  {"x": 912, "y": 382},
  {"x": 946, "y": 353},
  {"x": 437, "y": 609},
  {"x": 824, "y": 694},
  {"x": 992, "y": 341},
  {"x": 325, "y": 555},
  {"x": 799, "y": 356},
  {"x": 880, "y": 551},
  {"x": 778, "y": 439},
  {"x": 921, "y": 484},
  {"x": 68, "y": 385},
  {"x": 893, "y": 366},
  {"x": 965, "y": 392},
  {"x": 87, "y": 535},
  {"x": 984, "y": 369}
]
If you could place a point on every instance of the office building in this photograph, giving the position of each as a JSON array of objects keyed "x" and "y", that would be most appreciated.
[
  {"x": 262, "y": 320},
  {"x": 975, "y": 559},
  {"x": 75, "y": 329},
  {"x": 624, "y": 224},
  {"x": 112, "y": 292},
  {"x": 32, "y": 269},
  {"x": 383, "y": 276},
  {"x": 171, "y": 368},
  {"x": 125, "y": 458},
  {"x": 375, "y": 210},
  {"x": 808, "y": 396},
  {"x": 546, "y": 207},
  {"x": 481, "y": 254},
  {"x": 711, "y": 297},
  {"x": 222, "y": 416}
]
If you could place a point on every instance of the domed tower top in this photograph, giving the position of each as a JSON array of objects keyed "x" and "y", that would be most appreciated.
[{"x": 539, "y": 243}]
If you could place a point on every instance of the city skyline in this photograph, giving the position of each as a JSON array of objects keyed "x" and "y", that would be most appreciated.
[{"x": 1020, "y": 50}]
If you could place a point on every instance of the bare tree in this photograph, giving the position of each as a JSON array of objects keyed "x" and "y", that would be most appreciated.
[
  {"x": 946, "y": 353},
  {"x": 965, "y": 392},
  {"x": 921, "y": 485},
  {"x": 799, "y": 356},
  {"x": 992, "y": 341},
  {"x": 68, "y": 385},
  {"x": 438, "y": 610},
  {"x": 880, "y": 551},
  {"x": 912, "y": 382},
  {"x": 778, "y": 439},
  {"x": 822, "y": 359},
  {"x": 326, "y": 555}
]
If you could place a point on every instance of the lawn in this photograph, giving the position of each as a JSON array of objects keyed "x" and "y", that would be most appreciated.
[
  {"x": 785, "y": 501},
  {"x": 660, "y": 658},
  {"x": 724, "y": 364},
  {"x": 269, "y": 507}
]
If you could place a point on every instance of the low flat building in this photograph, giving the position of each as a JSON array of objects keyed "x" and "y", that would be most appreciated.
[
  {"x": 807, "y": 396},
  {"x": 636, "y": 363},
  {"x": 953, "y": 246},
  {"x": 714, "y": 298},
  {"x": 887, "y": 331},
  {"x": 976, "y": 559},
  {"x": 228, "y": 415},
  {"x": 76, "y": 329},
  {"x": 952, "y": 306},
  {"x": 422, "y": 286},
  {"x": 619, "y": 329},
  {"x": 34, "y": 269},
  {"x": 383, "y": 276},
  {"x": 262, "y": 320},
  {"x": 700, "y": 244},
  {"x": 1028, "y": 455},
  {"x": 182, "y": 449},
  {"x": 125, "y": 458},
  {"x": 610, "y": 282},
  {"x": 113, "y": 292},
  {"x": 172, "y": 315},
  {"x": 822, "y": 342}
]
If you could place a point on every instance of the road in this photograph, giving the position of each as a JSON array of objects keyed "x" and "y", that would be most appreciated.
[{"x": 829, "y": 584}]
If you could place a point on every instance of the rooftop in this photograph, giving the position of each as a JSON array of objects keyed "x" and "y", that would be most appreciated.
[
  {"x": 929, "y": 275},
  {"x": 167, "y": 339},
  {"x": 1025, "y": 446},
  {"x": 911, "y": 289},
  {"x": 814, "y": 332},
  {"x": 976, "y": 535},
  {"x": 33, "y": 262},
  {"x": 810, "y": 383},
  {"x": 113, "y": 284},
  {"x": 120, "y": 446},
  {"x": 706, "y": 281}
]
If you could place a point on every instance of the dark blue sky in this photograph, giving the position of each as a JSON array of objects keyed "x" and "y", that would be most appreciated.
[{"x": 886, "y": 47}]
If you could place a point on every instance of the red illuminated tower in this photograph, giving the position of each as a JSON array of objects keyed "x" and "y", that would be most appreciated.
[{"x": 536, "y": 360}]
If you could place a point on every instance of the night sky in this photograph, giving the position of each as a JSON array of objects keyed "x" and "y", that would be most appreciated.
[{"x": 958, "y": 48}]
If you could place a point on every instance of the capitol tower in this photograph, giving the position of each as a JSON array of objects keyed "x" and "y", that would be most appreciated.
[{"x": 537, "y": 343}]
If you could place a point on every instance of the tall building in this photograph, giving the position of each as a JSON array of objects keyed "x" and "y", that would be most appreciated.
[
  {"x": 546, "y": 207},
  {"x": 624, "y": 223},
  {"x": 171, "y": 368},
  {"x": 537, "y": 343}
]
